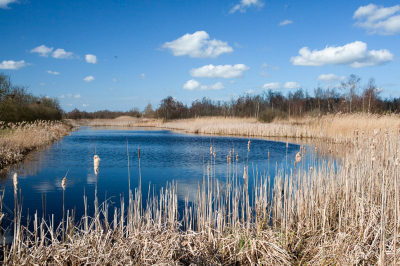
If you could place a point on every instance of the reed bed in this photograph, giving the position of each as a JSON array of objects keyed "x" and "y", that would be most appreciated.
[
  {"x": 123, "y": 121},
  {"x": 338, "y": 128},
  {"x": 332, "y": 213},
  {"x": 17, "y": 139}
]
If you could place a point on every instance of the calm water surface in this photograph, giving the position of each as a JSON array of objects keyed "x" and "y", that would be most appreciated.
[{"x": 165, "y": 156}]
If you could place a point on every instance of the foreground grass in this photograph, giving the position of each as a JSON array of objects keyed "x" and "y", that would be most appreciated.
[{"x": 16, "y": 140}]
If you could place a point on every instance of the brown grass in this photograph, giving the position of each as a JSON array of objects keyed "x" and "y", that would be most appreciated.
[
  {"x": 16, "y": 140},
  {"x": 122, "y": 121}
]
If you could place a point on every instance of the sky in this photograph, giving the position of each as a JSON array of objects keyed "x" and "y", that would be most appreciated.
[{"x": 117, "y": 55}]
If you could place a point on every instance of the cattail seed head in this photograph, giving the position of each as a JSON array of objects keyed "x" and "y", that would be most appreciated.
[
  {"x": 211, "y": 151},
  {"x": 237, "y": 157},
  {"x": 316, "y": 150},
  {"x": 298, "y": 157},
  {"x": 138, "y": 153},
  {"x": 96, "y": 163},
  {"x": 248, "y": 146},
  {"x": 63, "y": 183},
  {"x": 15, "y": 181},
  {"x": 268, "y": 154},
  {"x": 396, "y": 162},
  {"x": 245, "y": 173},
  {"x": 311, "y": 168}
]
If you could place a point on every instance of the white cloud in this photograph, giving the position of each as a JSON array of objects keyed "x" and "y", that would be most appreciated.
[
  {"x": 90, "y": 58},
  {"x": 273, "y": 85},
  {"x": 41, "y": 84},
  {"x": 354, "y": 54},
  {"x": 193, "y": 85},
  {"x": 142, "y": 76},
  {"x": 111, "y": 89},
  {"x": 264, "y": 74},
  {"x": 244, "y": 4},
  {"x": 232, "y": 82},
  {"x": 53, "y": 73},
  {"x": 77, "y": 96},
  {"x": 329, "y": 78},
  {"x": 85, "y": 105},
  {"x": 378, "y": 19},
  {"x": 270, "y": 67},
  {"x": 69, "y": 104},
  {"x": 69, "y": 95},
  {"x": 114, "y": 79},
  {"x": 250, "y": 92},
  {"x": 226, "y": 71},
  {"x": 42, "y": 50},
  {"x": 239, "y": 45},
  {"x": 4, "y": 3},
  {"x": 285, "y": 22},
  {"x": 62, "y": 96},
  {"x": 89, "y": 79},
  {"x": 62, "y": 54},
  {"x": 291, "y": 85},
  {"x": 197, "y": 45},
  {"x": 11, "y": 64}
]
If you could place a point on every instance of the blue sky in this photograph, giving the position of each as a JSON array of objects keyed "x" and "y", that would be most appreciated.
[{"x": 116, "y": 55}]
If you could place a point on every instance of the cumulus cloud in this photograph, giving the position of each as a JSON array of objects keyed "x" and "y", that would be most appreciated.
[
  {"x": 11, "y": 64},
  {"x": 77, "y": 96},
  {"x": 244, "y": 4},
  {"x": 89, "y": 79},
  {"x": 142, "y": 76},
  {"x": 62, "y": 54},
  {"x": 197, "y": 45},
  {"x": 285, "y": 22},
  {"x": 272, "y": 86},
  {"x": 277, "y": 85},
  {"x": 329, "y": 78},
  {"x": 193, "y": 85},
  {"x": 91, "y": 58},
  {"x": 4, "y": 3},
  {"x": 250, "y": 92},
  {"x": 354, "y": 54},
  {"x": 42, "y": 50},
  {"x": 42, "y": 84},
  {"x": 232, "y": 82},
  {"x": 226, "y": 71},
  {"x": 53, "y": 73},
  {"x": 85, "y": 105},
  {"x": 291, "y": 85},
  {"x": 378, "y": 19},
  {"x": 62, "y": 96},
  {"x": 69, "y": 95},
  {"x": 270, "y": 67}
]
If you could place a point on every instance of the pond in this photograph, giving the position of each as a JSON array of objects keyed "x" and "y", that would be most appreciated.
[{"x": 164, "y": 156}]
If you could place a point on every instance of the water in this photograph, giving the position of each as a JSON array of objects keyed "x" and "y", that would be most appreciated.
[{"x": 165, "y": 156}]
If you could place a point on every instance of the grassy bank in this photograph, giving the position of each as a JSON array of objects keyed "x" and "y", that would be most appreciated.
[
  {"x": 122, "y": 121},
  {"x": 337, "y": 128},
  {"x": 17, "y": 139}
]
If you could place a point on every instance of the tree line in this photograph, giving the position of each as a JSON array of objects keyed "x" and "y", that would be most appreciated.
[
  {"x": 17, "y": 104},
  {"x": 350, "y": 97}
]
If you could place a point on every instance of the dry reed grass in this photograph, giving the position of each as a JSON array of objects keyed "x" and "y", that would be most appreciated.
[
  {"x": 19, "y": 138},
  {"x": 337, "y": 128},
  {"x": 123, "y": 121}
]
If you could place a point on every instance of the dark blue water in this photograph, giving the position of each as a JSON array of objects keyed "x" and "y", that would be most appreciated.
[{"x": 165, "y": 156}]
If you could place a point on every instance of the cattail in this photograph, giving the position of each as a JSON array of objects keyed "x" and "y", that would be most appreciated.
[
  {"x": 237, "y": 157},
  {"x": 396, "y": 162},
  {"x": 298, "y": 157},
  {"x": 373, "y": 155},
  {"x": 214, "y": 153},
  {"x": 287, "y": 144},
  {"x": 96, "y": 162},
  {"x": 311, "y": 168},
  {"x": 376, "y": 131},
  {"x": 211, "y": 151},
  {"x": 316, "y": 150},
  {"x": 304, "y": 150},
  {"x": 248, "y": 146},
  {"x": 268, "y": 154},
  {"x": 138, "y": 153},
  {"x": 15, "y": 181},
  {"x": 245, "y": 173},
  {"x": 63, "y": 182}
]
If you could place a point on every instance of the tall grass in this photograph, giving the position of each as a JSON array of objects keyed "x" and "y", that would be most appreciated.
[
  {"x": 332, "y": 214},
  {"x": 17, "y": 139}
]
